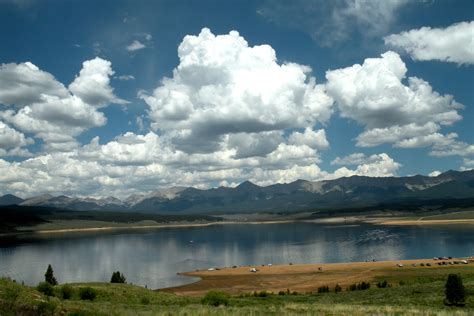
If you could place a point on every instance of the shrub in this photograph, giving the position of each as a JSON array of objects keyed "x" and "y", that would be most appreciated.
[
  {"x": 9, "y": 296},
  {"x": 281, "y": 293},
  {"x": 46, "y": 308},
  {"x": 87, "y": 293},
  {"x": 262, "y": 294},
  {"x": 383, "y": 284},
  {"x": 49, "y": 276},
  {"x": 215, "y": 298},
  {"x": 323, "y": 289},
  {"x": 455, "y": 291},
  {"x": 66, "y": 292},
  {"x": 363, "y": 286},
  {"x": 145, "y": 301},
  {"x": 117, "y": 277},
  {"x": 338, "y": 288},
  {"x": 46, "y": 288}
]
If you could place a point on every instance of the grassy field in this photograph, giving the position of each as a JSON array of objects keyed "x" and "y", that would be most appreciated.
[{"x": 409, "y": 294}]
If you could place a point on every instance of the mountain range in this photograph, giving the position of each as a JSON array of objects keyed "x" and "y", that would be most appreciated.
[{"x": 355, "y": 191}]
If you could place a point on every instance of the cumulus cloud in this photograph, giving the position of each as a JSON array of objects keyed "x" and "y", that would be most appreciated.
[
  {"x": 374, "y": 95},
  {"x": 135, "y": 45},
  {"x": 224, "y": 86},
  {"x": 434, "y": 173},
  {"x": 105, "y": 169},
  {"x": 314, "y": 139},
  {"x": 44, "y": 107},
  {"x": 467, "y": 164},
  {"x": 332, "y": 22},
  {"x": 12, "y": 141},
  {"x": 93, "y": 83},
  {"x": 451, "y": 44},
  {"x": 352, "y": 159},
  {"x": 452, "y": 147},
  {"x": 22, "y": 84},
  {"x": 381, "y": 165}
]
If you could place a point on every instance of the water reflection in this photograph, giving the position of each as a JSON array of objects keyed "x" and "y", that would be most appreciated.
[{"x": 152, "y": 258}]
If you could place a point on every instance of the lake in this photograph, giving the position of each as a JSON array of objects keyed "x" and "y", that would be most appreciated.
[{"x": 153, "y": 257}]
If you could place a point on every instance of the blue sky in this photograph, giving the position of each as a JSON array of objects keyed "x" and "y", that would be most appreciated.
[{"x": 116, "y": 97}]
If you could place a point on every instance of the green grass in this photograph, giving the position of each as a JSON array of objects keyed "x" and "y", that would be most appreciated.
[
  {"x": 454, "y": 215},
  {"x": 420, "y": 295}
]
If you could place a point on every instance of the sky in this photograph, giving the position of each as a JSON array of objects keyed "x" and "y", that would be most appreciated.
[{"x": 112, "y": 98}]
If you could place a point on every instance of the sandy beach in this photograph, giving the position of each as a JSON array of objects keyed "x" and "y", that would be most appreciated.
[{"x": 305, "y": 277}]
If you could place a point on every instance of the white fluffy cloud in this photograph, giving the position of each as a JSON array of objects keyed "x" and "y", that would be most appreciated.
[
  {"x": 22, "y": 84},
  {"x": 467, "y": 164},
  {"x": 105, "y": 169},
  {"x": 451, "y": 44},
  {"x": 352, "y": 159},
  {"x": 452, "y": 147},
  {"x": 374, "y": 95},
  {"x": 434, "y": 173},
  {"x": 224, "y": 86},
  {"x": 381, "y": 165},
  {"x": 12, "y": 141},
  {"x": 41, "y": 106},
  {"x": 93, "y": 83},
  {"x": 314, "y": 139}
]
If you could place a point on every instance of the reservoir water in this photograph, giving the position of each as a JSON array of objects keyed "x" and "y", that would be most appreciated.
[{"x": 153, "y": 257}]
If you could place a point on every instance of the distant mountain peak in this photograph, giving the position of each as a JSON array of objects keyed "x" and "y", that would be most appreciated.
[
  {"x": 247, "y": 184},
  {"x": 10, "y": 199},
  {"x": 294, "y": 196}
]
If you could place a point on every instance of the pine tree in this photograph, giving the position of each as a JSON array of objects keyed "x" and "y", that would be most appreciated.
[
  {"x": 49, "y": 276},
  {"x": 455, "y": 291},
  {"x": 117, "y": 277}
]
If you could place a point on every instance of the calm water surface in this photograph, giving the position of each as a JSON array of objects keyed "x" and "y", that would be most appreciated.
[{"x": 154, "y": 257}]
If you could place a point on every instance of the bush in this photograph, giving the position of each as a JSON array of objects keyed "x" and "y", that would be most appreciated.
[
  {"x": 337, "y": 289},
  {"x": 215, "y": 298},
  {"x": 359, "y": 286},
  {"x": 45, "y": 288},
  {"x": 382, "y": 285},
  {"x": 66, "y": 292},
  {"x": 46, "y": 308},
  {"x": 363, "y": 286},
  {"x": 263, "y": 294},
  {"x": 281, "y": 293},
  {"x": 323, "y": 289},
  {"x": 145, "y": 301},
  {"x": 117, "y": 277},
  {"x": 87, "y": 293},
  {"x": 455, "y": 291}
]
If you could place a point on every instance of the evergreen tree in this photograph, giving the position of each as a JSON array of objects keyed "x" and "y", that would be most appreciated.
[
  {"x": 49, "y": 276},
  {"x": 455, "y": 291},
  {"x": 117, "y": 277}
]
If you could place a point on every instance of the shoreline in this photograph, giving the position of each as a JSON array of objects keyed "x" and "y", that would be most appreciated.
[
  {"x": 332, "y": 220},
  {"x": 411, "y": 222},
  {"x": 307, "y": 277},
  {"x": 140, "y": 227}
]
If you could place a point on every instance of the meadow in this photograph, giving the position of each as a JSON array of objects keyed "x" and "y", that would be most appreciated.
[{"x": 406, "y": 294}]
